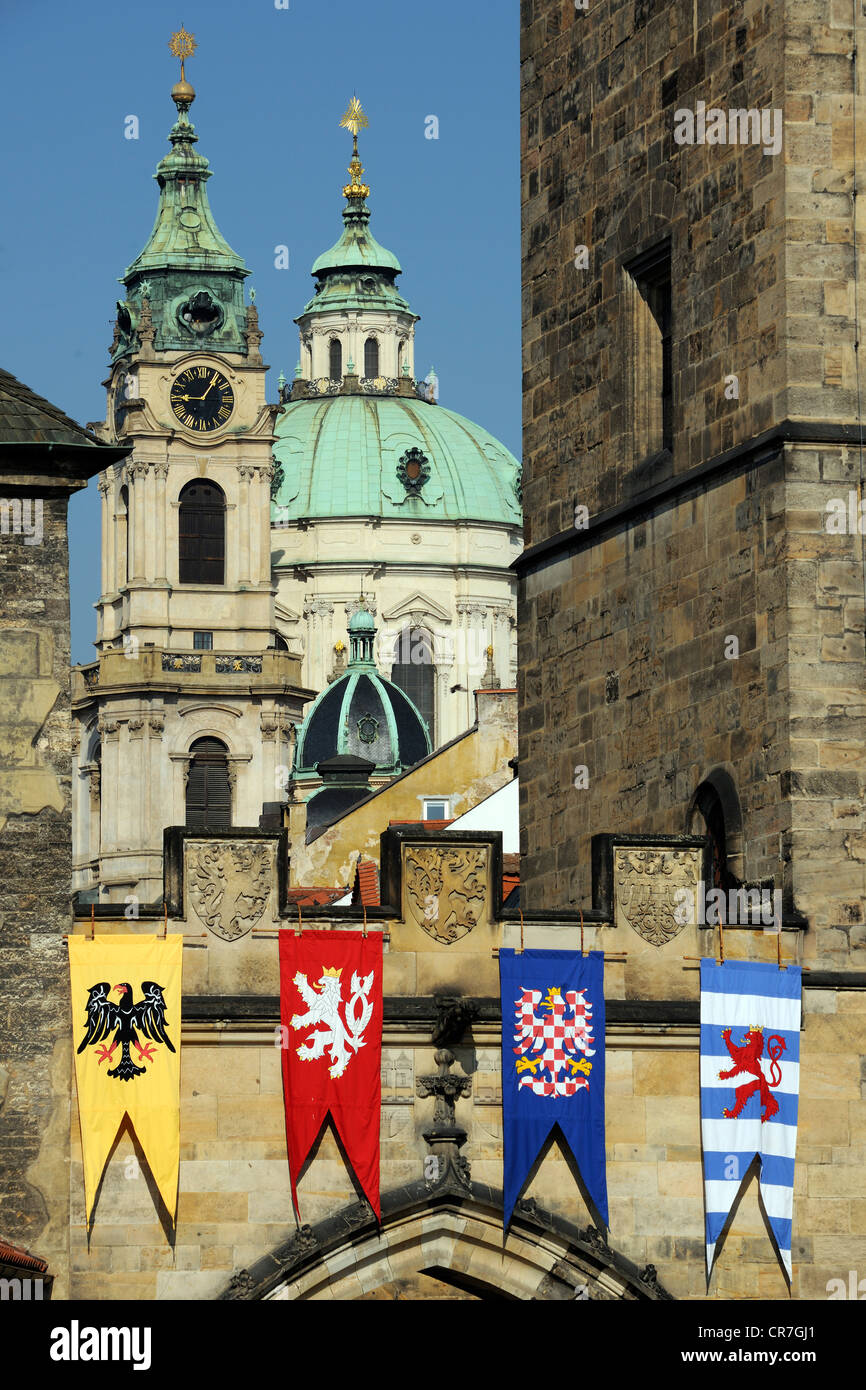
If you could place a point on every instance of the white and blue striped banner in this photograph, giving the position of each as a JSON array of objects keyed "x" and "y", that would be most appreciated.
[{"x": 750, "y": 1086}]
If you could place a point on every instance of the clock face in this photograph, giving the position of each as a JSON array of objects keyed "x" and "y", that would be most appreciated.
[{"x": 202, "y": 399}]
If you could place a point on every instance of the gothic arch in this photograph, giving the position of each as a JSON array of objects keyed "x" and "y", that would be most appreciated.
[
  {"x": 453, "y": 1231},
  {"x": 716, "y": 803}
]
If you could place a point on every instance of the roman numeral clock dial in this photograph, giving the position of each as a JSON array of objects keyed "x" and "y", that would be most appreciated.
[{"x": 202, "y": 399}]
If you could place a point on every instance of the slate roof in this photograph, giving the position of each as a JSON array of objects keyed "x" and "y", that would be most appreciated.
[{"x": 26, "y": 418}]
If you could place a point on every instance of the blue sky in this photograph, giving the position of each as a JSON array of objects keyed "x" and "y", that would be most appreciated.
[{"x": 271, "y": 85}]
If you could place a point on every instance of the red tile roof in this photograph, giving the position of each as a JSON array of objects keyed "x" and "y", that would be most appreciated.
[
  {"x": 316, "y": 897},
  {"x": 366, "y": 889},
  {"x": 13, "y": 1255}
]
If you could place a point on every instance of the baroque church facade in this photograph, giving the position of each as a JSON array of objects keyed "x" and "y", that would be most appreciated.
[{"x": 240, "y": 537}]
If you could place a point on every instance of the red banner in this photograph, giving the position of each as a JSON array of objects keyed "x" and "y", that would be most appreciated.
[{"x": 331, "y": 1011}]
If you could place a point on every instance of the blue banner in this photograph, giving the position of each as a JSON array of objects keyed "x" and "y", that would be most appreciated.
[
  {"x": 552, "y": 1064},
  {"x": 750, "y": 1084}
]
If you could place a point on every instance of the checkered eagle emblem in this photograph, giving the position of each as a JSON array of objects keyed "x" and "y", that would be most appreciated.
[{"x": 552, "y": 1047}]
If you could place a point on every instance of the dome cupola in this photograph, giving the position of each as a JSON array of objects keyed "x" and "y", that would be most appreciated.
[{"x": 362, "y": 715}]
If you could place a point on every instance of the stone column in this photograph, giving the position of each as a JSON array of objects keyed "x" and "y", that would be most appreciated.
[
  {"x": 104, "y": 487},
  {"x": 137, "y": 522},
  {"x": 244, "y": 536},
  {"x": 161, "y": 522}
]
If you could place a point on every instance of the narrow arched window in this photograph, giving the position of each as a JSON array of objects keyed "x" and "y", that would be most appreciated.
[
  {"x": 335, "y": 370},
  {"x": 123, "y": 537},
  {"x": 202, "y": 534},
  {"x": 371, "y": 358},
  {"x": 401, "y": 356},
  {"x": 208, "y": 789},
  {"x": 414, "y": 673}
]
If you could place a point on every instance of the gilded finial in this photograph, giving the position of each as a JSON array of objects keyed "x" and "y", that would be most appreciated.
[
  {"x": 354, "y": 120},
  {"x": 182, "y": 45}
]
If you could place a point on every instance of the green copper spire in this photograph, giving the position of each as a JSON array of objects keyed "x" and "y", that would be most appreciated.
[
  {"x": 195, "y": 278},
  {"x": 357, "y": 272}
]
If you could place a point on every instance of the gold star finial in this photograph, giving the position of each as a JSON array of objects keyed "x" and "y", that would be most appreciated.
[
  {"x": 182, "y": 45},
  {"x": 354, "y": 118}
]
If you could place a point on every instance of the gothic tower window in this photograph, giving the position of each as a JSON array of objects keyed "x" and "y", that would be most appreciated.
[
  {"x": 335, "y": 350},
  {"x": 648, "y": 282},
  {"x": 414, "y": 673},
  {"x": 371, "y": 358},
  {"x": 202, "y": 545},
  {"x": 208, "y": 789},
  {"x": 715, "y": 812}
]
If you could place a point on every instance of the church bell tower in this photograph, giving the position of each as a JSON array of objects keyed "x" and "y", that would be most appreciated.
[{"x": 186, "y": 716}]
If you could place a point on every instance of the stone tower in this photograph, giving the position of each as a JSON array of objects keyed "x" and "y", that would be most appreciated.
[
  {"x": 693, "y": 587},
  {"x": 186, "y": 717}
]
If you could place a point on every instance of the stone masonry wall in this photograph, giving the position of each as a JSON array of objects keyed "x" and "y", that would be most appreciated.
[
  {"x": 623, "y": 664},
  {"x": 35, "y": 888}
]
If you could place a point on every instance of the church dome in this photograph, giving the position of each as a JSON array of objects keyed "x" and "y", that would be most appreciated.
[
  {"x": 362, "y": 715},
  {"x": 395, "y": 457}
]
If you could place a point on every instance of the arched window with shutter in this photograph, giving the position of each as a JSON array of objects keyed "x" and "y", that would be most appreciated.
[
  {"x": 202, "y": 533},
  {"x": 208, "y": 790},
  {"x": 371, "y": 358},
  {"x": 335, "y": 370},
  {"x": 414, "y": 673}
]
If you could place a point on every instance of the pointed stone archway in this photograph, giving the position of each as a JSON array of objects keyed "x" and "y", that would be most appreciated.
[{"x": 452, "y": 1232}]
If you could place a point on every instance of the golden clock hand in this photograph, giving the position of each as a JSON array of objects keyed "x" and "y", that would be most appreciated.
[{"x": 201, "y": 398}]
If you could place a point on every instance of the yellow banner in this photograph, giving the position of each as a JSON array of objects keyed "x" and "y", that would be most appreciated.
[{"x": 126, "y": 1037}]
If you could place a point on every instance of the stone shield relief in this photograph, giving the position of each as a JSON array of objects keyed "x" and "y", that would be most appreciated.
[
  {"x": 655, "y": 890},
  {"x": 229, "y": 885},
  {"x": 446, "y": 889}
]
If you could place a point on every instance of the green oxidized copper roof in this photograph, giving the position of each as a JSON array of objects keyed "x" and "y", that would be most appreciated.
[
  {"x": 184, "y": 234},
  {"x": 357, "y": 272},
  {"x": 357, "y": 246},
  {"x": 340, "y": 456},
  {"x": 185, "y": 255}
]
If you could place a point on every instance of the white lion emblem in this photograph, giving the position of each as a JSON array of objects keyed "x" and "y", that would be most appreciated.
[{"x": 340, "y": 1038}]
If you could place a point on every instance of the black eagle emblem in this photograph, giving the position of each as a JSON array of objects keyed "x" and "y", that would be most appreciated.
[{"x": 126, "y": 1020}]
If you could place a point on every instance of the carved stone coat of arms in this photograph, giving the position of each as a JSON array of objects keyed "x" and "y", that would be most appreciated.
[
  {"x": 652, "y": 887},
  {"x": 229, "y": 885},
  {"x": 445, "y": 889}
]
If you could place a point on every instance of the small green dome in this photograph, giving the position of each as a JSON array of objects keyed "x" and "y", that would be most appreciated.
[
  {"x": 395, "y": 457},
  {"x": 362, "y": 621}
]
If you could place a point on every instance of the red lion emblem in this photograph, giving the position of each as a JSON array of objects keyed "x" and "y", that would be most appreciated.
[{"x": 746, "y": 1057}]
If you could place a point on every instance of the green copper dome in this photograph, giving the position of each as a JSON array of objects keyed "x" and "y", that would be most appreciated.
[{"x": 395, "y": 457}]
